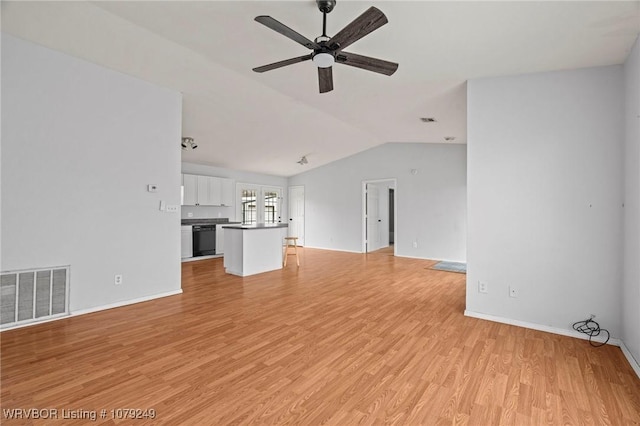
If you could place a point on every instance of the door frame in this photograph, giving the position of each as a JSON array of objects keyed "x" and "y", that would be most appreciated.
[
  {"x": 289, "y": 204},
  {"x": 260, "y": 207},
  {"x": 364, "y": 212}
]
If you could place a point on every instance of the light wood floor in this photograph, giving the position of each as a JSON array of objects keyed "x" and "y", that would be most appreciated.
[{"x": 344, "y": 339}]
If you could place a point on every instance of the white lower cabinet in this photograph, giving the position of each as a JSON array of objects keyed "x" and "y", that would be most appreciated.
[
  {"x": 219, "y": 240},
  {"x": 186, "y": 241}
]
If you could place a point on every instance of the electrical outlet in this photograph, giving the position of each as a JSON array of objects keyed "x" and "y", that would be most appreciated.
[
  {"x": 189, "y": 214},
  {"x": 483, "y": 287},
  {"x": 415, "y": 244},
  {"x": 513, "y": 292},
  {"x": 117, "y": 280}
]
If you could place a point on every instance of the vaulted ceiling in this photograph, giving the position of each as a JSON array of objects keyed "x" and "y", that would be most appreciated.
[{"x": 266, "y": 122}]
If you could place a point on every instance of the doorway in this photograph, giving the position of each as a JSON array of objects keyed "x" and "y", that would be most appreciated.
[
  {"x": 258, "y": 204},
  {"x": 392, "y": 216},
  {"x": 378, "y": 214}
]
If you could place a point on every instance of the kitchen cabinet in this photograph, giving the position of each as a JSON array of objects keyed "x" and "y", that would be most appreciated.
[
  {"x": 221, "y": 192},
  {"x": 219, "y": 239},
  {"x": 215, "y": 191},
  {"x": 227, "y": 191},
  {"x": 186, "y": 240},
  {"x": 189, "y": 190},
  {"x": 254, "y": 249},
  {"x": 206, "y": 191},
  {"x": 204, "y": 196}
]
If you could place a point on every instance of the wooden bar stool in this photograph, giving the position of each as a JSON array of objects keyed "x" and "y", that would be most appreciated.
[{"x": 288, "y": 243}]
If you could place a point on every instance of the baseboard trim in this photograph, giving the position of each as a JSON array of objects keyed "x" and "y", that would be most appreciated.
[
  {"x": 539, "y": 327},
  {"x": 634, "y": 363},
  {"x": 125, "y": 303},
  {"x": 429, "y": 258},
  {"x": 195, "y": 259},
  {"x": 332, "y": 249},
  {"x": 98, "y": 309},
  {"x": 412, "y": 257}
]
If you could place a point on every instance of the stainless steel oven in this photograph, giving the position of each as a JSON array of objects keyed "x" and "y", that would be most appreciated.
[{"x": 204, "y": 240}]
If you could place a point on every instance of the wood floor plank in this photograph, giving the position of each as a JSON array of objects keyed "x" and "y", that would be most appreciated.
[{"x": 343, "y": 339}]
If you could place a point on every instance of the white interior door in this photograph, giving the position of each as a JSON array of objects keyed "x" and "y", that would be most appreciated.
[
  {"x": 296, "y": 213},
  {"x": 373, "y": 218}
]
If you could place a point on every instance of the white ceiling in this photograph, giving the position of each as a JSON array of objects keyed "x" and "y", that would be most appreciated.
[{"x": 266, "y": 122}]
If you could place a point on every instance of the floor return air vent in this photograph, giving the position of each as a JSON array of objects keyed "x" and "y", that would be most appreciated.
[{"x": 33, "y": 295}]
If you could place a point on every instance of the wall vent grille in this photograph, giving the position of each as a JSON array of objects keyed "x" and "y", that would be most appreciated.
[{"x": 33, "y": 295}]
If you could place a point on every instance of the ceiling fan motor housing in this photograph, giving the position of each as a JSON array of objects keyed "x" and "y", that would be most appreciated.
[{"x": 326, "y": 6}]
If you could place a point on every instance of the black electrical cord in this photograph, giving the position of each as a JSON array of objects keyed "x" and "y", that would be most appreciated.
[{"x": 592, "y": 329}]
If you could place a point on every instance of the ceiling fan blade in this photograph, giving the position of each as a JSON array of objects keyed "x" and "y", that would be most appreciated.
[
  {"x": 367, "y": 63},
  {"x": 282, "y": 63},
  {"x": 325, "y": 78},
  {"x": 278, "y": 26},
  {"x": 370, "y": 20}
]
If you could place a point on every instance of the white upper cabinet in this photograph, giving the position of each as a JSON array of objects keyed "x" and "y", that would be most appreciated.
[
  {"x": 227, "y": 192},
  {"x": 206, "y": 191},
  {"x": 189, "y": 190},
  {"x": 204, "y": 196},
  {"x": 215, "y": 191}
]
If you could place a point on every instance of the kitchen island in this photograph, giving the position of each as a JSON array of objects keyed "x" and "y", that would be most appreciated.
[{"x": 253, "y": 249}]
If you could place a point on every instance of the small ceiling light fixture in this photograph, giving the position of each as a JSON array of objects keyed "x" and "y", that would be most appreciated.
[
  {"x": 449, "y": 138},
  {"x": 323, "y": 60},
  {"x": 303, "y": 160},
  {"x": 188, "y": 143},
  {"x": 428, "y": 119}
]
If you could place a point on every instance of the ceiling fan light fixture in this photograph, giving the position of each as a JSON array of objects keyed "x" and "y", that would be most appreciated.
[{"x": 323, "y": 60}]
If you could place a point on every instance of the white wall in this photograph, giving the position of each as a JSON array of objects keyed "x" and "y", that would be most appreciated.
[
  {"x": 631, "y": 287},
  {"x": 80, "y": 143},
  {"x": 430, "y": 205},
  {"x": 200, "y": 212},
  {"x": 545, "y": 196}
]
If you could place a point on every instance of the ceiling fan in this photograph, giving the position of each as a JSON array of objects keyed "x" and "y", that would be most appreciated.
[{"x": 329, "y": 50}]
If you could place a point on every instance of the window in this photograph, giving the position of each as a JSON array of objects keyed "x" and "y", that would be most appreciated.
[
  {"x": 249, "y": 206},
  {"x": 271, "y": 201},
  {"x": 259, "y": 204}
]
